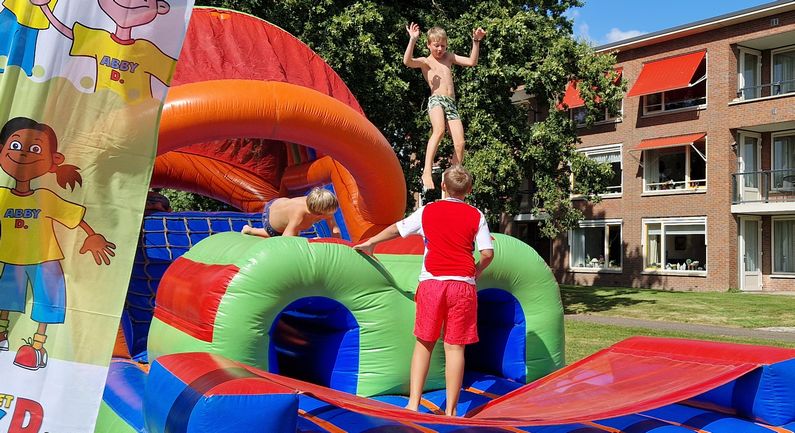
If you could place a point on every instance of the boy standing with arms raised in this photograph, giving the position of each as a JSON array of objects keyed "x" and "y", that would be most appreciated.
[
  {"x": 446, "y": 297},
  {"x": 436, "y": 69}
]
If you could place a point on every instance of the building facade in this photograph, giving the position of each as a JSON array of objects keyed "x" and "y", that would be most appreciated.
[{"x": 704, "y": 155}]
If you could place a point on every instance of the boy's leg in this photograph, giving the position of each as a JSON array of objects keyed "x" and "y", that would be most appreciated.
[
  {"x": 248, "y": 230},
  {"x": 420, "y": 362},
  {"x": 437, "y": 132},
  {"x": 453, "y": 375},
  {"x": 457, "y": 132}
]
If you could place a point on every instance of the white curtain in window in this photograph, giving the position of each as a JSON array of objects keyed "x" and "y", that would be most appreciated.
[
  {"x": 653, "y": 235},
  {"x": 684, "y": 229},
  {"x": 578, "y": 248},
  {"x": 783, "y": 159},
  {"x": 784, "y": 71},
  {"x": 606, "y": 157},
  {"x": 651, "y": 166},
  {"x": 784, "y": 248}
]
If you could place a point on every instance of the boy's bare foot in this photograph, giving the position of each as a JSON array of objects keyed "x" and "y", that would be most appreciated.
[
  {"x": 412, "y": 408},
  {"x": 427, "y": 181},
  {"x": 246, "y": 229}
]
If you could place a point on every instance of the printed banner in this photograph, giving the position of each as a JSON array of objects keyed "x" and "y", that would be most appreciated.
[{"x": 82, "y": 84}]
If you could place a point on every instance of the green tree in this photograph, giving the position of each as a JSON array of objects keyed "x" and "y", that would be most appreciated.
[{"x": 529, "y": 43}]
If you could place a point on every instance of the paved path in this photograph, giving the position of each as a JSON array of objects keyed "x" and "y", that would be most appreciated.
[{"x": 780, "y": 334}]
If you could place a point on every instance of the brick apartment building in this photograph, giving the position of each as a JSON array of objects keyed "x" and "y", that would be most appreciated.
[{"x": 704, "y": 155}]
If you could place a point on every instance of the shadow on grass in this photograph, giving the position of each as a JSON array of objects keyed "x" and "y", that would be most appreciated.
[{"x": 584, "y": 300}]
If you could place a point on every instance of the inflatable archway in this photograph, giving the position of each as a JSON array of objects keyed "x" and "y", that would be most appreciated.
[{"x": 273, "y": 110}]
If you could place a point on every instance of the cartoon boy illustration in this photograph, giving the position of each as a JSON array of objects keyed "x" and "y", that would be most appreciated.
[
  {"x": 20, "y": 23},
  {"x": 124, "y": 65},
  {"x": 29, "y": 248}
]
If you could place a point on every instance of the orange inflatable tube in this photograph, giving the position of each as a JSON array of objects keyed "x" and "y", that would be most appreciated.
[{"x": 220, "y": 109}]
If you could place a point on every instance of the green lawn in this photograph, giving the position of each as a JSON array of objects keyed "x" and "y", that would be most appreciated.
[
  {"x": 583, "y": 339},
  {"x": 709, "y": 308},
  {"x": 742, "y": 310}
]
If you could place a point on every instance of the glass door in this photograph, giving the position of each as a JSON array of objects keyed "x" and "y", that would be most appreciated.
[
  {"x": 750, "y": 166},
  {"x": 750, "y": 254},
  {"x": 749, "y": 76}
]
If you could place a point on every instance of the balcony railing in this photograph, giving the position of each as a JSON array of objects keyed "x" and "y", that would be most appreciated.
[
  {"x": 768, "y": 186},
  {"x": 764, "y": 90}
]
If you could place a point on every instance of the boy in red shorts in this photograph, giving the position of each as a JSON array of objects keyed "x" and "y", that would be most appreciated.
[{"x": 446, "y": 296}]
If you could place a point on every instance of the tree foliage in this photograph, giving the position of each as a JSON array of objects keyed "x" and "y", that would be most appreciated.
[{"x": 529, "y": 43}]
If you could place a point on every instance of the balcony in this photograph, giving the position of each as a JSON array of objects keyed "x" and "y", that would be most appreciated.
[
  {"x": 766, "y": 192},
  {"x": 766, "y": 90}
]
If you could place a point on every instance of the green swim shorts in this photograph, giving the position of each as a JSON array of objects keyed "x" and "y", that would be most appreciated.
[{"x": 448, "y": 105}]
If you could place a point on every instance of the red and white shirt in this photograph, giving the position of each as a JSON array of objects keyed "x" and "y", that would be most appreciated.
[{"x": 450, "y": 228}]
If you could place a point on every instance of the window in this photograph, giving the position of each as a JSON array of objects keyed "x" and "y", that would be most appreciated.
[
  {"x": 596, "y": 244},
  {"x": 676, "y": 168},
  {"x": 783, "y": 79},
  {"x": 694, "y": 95},
  {"x": 784, "y": 245},
  {"x": 609, "y": 155},
  {"x": 784, "y": 163},
  {"x": 749, "y": 74},
  {"x": 675, "y": 244},
  {"x": 578, "y": 115}
]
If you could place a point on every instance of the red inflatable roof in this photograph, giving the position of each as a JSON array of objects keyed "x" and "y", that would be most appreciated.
[{"x": 222, "y": 44}]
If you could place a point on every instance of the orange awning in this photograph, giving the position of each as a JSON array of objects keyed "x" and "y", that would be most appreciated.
[
  {"x": 676, "y": 140},
  {"x": 572, "y": 99},
  {"x": 667, "y": 74}
]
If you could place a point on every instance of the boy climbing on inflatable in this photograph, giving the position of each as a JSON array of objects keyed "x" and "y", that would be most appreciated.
[
  {"x": 436, "y": 69},
  {"x": 124, "y": 65},
  {"x": 29, "y": 249},
  {"x": 289, "y": 216},
  {"x": 446, "y": 296}
]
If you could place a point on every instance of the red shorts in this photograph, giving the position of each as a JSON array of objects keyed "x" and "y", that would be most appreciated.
[{"x": 448, "y": 303}]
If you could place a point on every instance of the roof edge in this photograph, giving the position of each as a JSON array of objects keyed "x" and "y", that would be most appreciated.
[{"x": 704, "y": 25}]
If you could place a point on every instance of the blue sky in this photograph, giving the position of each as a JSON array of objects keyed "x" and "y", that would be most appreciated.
[{"x": 606, "y": 21}]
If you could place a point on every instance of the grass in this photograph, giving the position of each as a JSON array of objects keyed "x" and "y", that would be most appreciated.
[
  {"x": 742, "y": 310},
  {"x": 583, "y": 339}
]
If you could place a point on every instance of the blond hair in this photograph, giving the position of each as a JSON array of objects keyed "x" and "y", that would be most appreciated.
[
  {"x": 458, "y": 180},
  {"x": 436, "y": 34},
  {"x": 321, "y": 201}
]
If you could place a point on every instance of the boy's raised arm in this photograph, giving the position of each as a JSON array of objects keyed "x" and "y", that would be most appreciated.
[
  {"x": 477, "y": 35},
  {"x": 408, "y": 57}
]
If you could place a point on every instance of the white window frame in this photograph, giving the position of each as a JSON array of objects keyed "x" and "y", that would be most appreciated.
[
  {"x": 741, "y": 83},
  {"x": 607, "y": 148},
  {"x": 666, "y": 222},
  {"x": 689, "y": 151},
  {"x": 600, "y": 223},
  {"x": 773, "y": 244},
  {"x": 773, "y": 53}
]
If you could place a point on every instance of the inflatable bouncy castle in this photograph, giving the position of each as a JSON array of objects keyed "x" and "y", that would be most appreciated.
[{"x": 231, "y": 333}]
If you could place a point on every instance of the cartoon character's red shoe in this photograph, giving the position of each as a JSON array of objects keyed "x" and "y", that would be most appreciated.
[
  {"x": 30, "y": 358},
  {"x": 3, "y": 341}
]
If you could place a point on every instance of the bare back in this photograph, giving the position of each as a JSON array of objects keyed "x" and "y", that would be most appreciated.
[{"x": 283, "y": 211}]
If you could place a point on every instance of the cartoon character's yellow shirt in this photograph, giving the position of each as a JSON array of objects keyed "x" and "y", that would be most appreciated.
[
  {"x": 124, "y": 67},
  {"x": 27, "y": 235},
  {"x": 28, "y": 14}
]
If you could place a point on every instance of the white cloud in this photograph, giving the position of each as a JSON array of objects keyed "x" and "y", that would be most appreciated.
[{"x": 616, "y": 34}]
